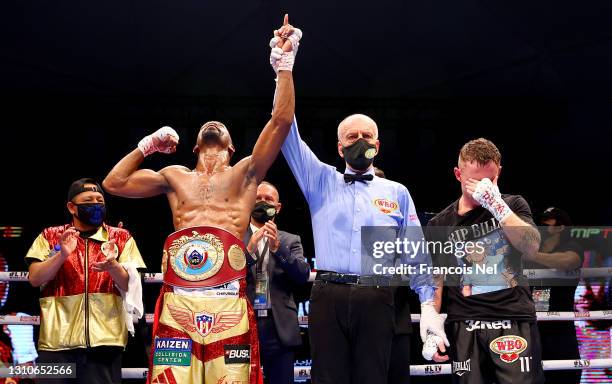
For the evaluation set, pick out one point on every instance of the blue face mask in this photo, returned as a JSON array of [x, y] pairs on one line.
[[91, 213]]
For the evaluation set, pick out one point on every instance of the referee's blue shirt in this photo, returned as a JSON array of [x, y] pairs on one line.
[[338, 211]]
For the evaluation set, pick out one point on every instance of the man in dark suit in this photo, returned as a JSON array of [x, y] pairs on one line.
[[277, 264]]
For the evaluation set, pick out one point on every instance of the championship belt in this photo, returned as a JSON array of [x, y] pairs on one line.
[[199, 257]]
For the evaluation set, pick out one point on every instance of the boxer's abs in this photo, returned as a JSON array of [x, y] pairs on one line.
[[231, 217]]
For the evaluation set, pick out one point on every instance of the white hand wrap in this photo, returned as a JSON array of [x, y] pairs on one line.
[[295, 38], [274, 41], [275, 55], [430, 347], [286, 62], [155, 142], [283, 61], [432, 322], [489, 197]]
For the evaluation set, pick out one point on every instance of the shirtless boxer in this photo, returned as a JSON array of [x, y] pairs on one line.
[[204, 328]]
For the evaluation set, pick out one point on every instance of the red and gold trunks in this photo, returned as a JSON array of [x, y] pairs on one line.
[[205, 328]]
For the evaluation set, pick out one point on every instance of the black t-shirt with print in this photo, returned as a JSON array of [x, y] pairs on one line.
[[479, 225]]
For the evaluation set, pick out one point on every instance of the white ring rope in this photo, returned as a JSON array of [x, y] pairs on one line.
[[303, 320], [583, 273], [303, 373], [529, 273]]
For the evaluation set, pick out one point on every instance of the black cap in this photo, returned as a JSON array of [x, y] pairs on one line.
[[79, 187], [558, 214]]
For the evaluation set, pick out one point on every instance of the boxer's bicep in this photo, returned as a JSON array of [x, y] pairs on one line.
[[143, 183], [125, 179]]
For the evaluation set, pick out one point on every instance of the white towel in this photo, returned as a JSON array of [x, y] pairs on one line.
[[132, 299], [22, 341]]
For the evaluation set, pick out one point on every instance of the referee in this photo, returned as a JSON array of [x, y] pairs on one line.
[[352, 316]]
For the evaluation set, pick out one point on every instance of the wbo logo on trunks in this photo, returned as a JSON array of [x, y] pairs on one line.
[[386, 206], [204, 322], [508, 347]]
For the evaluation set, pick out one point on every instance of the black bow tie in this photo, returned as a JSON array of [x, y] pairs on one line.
[[350, 178]]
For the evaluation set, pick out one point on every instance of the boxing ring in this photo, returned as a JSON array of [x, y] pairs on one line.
[[303, 372]]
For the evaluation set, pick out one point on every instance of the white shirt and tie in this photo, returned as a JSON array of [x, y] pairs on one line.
[[263, 259], [261, 246]]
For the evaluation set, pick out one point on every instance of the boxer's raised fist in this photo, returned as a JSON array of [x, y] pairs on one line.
[[163, 140], [284, 46]]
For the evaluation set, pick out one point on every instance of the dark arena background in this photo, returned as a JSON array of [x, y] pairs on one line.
[[83, 82]]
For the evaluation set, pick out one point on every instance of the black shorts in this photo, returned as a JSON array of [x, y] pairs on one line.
[[503, 352], [97, 365]]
